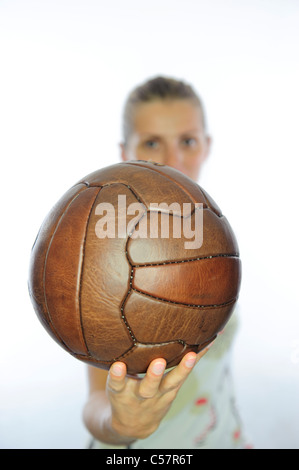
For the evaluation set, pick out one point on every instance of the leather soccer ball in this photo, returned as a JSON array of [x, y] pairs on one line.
[[134, 262]]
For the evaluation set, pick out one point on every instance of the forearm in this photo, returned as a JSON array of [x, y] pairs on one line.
[[98, 420]]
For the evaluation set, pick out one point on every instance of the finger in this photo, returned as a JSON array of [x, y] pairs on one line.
[[116, 380], [149, 385], [175, 378]]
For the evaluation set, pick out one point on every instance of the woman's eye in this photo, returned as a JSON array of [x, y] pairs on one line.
[[189, 142], [151, 144]]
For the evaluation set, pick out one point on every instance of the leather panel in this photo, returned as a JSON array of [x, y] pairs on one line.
[[212, 281], [105, 283], [154, 321], [217, 237], [147, 184], [63, 270], [140, 356], [38, 258]]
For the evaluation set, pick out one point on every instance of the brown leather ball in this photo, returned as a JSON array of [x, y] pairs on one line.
[[110, 283]]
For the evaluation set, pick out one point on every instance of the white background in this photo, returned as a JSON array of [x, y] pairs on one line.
[[65, 70]]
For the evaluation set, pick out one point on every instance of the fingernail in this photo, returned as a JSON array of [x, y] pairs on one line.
[[190, 362], [117, 370], [158, 368]]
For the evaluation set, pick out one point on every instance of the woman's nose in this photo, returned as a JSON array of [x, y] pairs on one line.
[[172, 157]]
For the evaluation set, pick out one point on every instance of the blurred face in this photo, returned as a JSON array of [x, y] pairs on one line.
[[171, 133]]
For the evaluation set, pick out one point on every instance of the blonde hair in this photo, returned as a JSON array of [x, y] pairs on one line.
[[158, 88]]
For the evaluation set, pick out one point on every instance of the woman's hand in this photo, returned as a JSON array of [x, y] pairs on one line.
[[138, 405]]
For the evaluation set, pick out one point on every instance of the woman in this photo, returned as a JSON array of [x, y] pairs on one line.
[[164, 122]]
